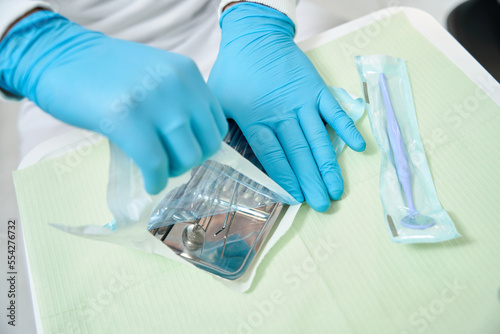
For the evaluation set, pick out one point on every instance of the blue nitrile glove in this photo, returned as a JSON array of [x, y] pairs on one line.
[[153, 104], [271, 89]]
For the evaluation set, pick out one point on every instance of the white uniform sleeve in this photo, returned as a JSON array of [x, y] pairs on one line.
[[287, 7], [10, 11]]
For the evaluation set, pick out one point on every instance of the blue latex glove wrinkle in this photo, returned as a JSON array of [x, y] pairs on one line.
[[152, 103], [271, 89]]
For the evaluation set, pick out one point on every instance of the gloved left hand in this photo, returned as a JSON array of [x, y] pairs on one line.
[[271, 89], [152, 103]]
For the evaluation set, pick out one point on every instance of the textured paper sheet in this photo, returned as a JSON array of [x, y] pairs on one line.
[[336, 272]]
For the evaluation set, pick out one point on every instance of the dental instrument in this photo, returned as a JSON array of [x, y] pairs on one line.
[[413, 219]]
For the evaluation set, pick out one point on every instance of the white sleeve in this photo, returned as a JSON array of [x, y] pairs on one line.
[[287, 7], [10, 11]]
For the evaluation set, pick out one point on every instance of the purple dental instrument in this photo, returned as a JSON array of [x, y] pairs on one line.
[[413, 219]]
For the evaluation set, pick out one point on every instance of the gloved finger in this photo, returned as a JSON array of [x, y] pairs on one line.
[[206, 132], [322, 149], [215, 108], [343, 125], [219, 117], [183, 149], [141, 142], [268, 150], [301, 160]]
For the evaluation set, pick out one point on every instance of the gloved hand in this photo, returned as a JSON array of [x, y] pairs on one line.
[[271, 89], [153, 104]]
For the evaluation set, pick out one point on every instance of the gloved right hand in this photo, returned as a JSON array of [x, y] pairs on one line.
[[152, 103], [284, 103]]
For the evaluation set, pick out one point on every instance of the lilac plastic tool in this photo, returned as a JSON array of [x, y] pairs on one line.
[[413, 219]]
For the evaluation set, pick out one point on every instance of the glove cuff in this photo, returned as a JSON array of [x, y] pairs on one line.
[[287, 7], [247, 18], [17, 56], [30, 46]]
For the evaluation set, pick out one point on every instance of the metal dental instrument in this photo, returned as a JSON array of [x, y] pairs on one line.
[[240, 148], [226, 234], [225, 243], [193, 235], [413, 219]]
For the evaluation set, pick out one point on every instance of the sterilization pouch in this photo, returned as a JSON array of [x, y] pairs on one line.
[[412, 210]]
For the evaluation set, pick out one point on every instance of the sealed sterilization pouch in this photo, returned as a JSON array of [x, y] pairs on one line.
[[412, 210], [222, 209], [217, 216]]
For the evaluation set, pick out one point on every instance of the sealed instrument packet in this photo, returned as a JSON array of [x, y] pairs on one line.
[[412, 211]]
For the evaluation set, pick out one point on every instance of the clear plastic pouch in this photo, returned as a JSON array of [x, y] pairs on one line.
[[220, 218], [412, 210], [217, 216]]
